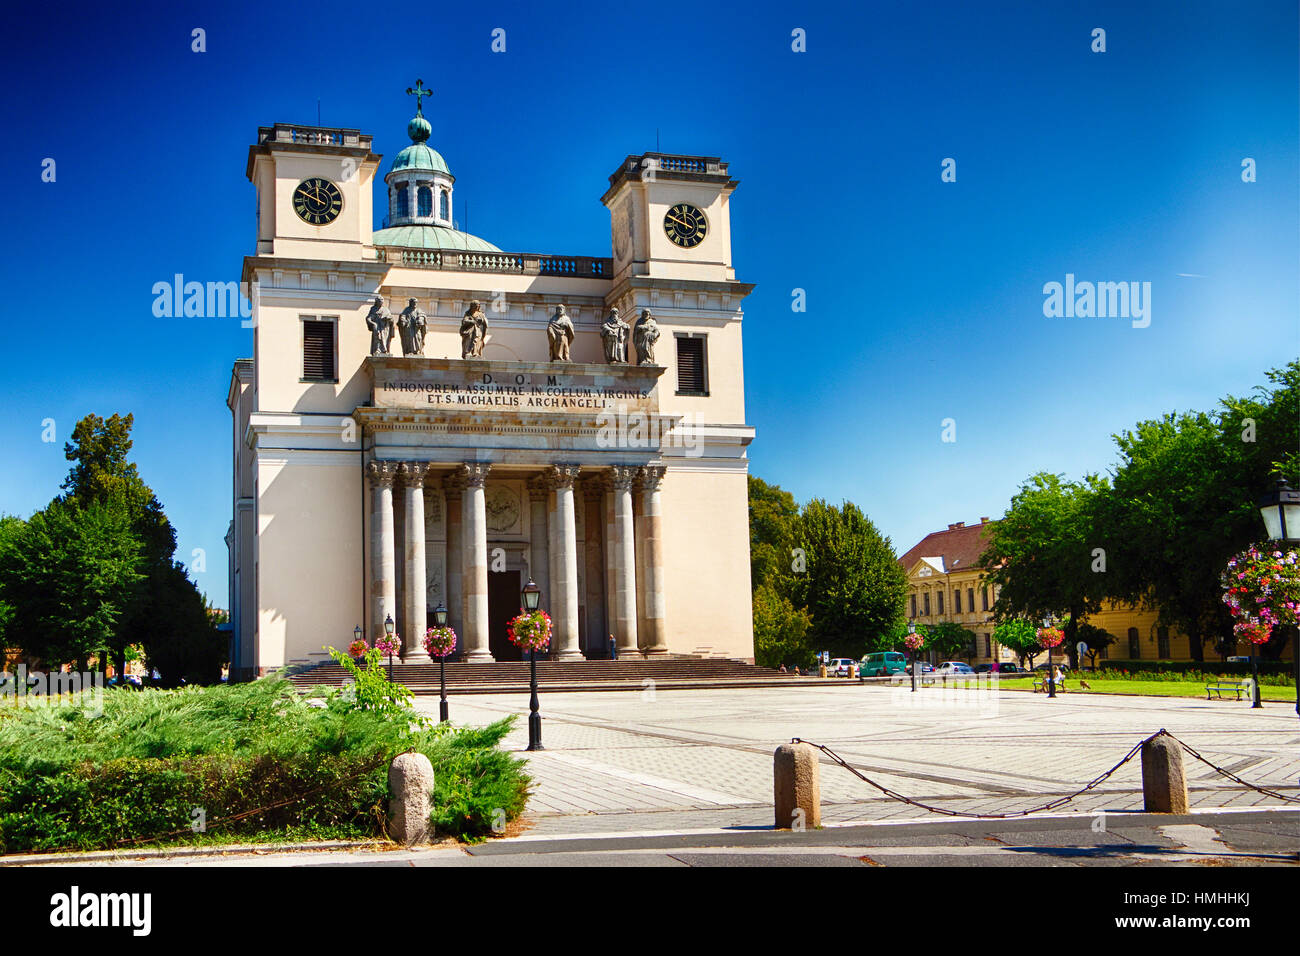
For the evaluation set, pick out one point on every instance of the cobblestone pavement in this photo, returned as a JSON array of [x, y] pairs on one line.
[[683, 759]]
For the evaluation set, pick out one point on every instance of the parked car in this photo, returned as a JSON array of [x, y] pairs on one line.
[[1007, 667], [926, 668], [840, 667], [1238, 660], [1065, 669], [883, 664], [951, 668]]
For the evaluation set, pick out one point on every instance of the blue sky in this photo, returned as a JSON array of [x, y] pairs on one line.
[[924, 298]]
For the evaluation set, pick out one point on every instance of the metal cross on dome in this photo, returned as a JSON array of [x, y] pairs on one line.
[[419, 92]]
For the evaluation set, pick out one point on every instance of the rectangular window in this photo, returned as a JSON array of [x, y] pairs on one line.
[[1162, 642], [939, 595], [1104, 652], [913, 605], [692, 365], [988, 646], [925, 603], [319, 362], [956, 600], [1134, 645], [986, 598], [970, 599]]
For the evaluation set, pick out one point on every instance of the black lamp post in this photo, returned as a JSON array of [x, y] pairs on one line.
[[356, 633], [1047, 676], [531, 598], [1280, 509], [911, 629], [389, 627], [440, 620]]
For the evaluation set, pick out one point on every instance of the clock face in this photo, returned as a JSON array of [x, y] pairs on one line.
[[317, 201], [685, 225]]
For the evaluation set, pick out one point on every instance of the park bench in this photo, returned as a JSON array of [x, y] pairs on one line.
[[1041, 685], [1219, 688]]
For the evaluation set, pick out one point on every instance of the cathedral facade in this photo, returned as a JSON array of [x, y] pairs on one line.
[[429, 420]]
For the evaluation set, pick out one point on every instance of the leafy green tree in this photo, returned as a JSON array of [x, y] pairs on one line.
[[853, 586], [949, 639], [10, 528], [1020, 637], [772, 514], [1096, 638], [67, 576], [780, 630], [1042, 554]]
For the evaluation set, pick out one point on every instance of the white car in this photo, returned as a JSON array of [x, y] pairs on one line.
[[841, 667], [952, 668]]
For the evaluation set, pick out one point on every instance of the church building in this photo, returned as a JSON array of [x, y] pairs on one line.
[[429, 420]]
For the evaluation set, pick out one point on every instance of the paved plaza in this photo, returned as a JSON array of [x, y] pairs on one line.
[[634, 762]]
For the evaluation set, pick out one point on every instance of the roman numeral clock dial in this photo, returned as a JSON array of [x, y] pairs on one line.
[[317, 201], [685, 225]]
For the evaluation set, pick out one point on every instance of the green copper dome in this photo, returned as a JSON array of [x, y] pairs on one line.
[[431, 237], [419, 156], [418, 129]]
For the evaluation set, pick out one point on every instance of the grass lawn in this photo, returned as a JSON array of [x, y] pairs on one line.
[[1149, 688]]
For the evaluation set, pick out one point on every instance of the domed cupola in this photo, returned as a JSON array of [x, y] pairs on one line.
[[419, 194], [419, 182]]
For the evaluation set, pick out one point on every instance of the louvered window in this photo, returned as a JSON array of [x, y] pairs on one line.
[[318, 351], [692, 377]]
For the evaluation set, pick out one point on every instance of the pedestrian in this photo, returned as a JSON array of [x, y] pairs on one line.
[[613, 648]]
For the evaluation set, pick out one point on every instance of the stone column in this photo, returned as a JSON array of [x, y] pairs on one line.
[[624, 564], [454, 487], [417, 569], [655, 639], [383, 562], [475, 557], [539, 559], [564, 565], [611, 558]]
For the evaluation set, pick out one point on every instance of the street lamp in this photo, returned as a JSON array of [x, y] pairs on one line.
[[356, 633], [1051, 684], [440, 621], [389, 627], [911, 629], [531, 598], [1280, 509]]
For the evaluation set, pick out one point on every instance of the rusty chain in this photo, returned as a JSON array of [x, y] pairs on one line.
[[1052, 805]]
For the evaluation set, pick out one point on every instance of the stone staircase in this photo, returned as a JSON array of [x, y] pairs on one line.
[[672, 673]]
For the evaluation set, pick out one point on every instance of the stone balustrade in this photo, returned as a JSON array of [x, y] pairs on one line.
[[513, 263]]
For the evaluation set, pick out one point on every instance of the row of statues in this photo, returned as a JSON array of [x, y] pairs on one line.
[[413, 323]]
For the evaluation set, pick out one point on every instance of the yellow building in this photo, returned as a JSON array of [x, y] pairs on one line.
[[946, 583]]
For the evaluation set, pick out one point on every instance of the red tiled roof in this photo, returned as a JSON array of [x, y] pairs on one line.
[[960, 546]]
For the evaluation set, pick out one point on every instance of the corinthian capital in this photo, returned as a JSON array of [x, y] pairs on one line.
[[382, 473], [622, 477], [651, 476], [414, 472], [560, 476], [475, 473]]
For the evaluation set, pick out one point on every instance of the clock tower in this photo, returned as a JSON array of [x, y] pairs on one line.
[[669, 217]]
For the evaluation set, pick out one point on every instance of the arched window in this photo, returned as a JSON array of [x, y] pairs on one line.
[[1134, 644], [426, 201], [444, 205], [403, 202]]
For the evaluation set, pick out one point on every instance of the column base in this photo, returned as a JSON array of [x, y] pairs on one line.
[[417, 657], [659, 650], [630, 654], [479, 657], [569, 655]]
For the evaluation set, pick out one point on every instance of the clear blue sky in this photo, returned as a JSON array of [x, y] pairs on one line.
[[924, 298]]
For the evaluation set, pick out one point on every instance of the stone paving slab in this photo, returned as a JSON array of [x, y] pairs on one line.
[[682, 759]]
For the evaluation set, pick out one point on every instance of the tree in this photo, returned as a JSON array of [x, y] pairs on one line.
[[949, 639], [772, 514], [780, 630], [1096, 638], [853, 586], [1042, 554], [67, 576], [1020, 637]]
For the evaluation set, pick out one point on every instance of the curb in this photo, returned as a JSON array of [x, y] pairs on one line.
[[92, 856]]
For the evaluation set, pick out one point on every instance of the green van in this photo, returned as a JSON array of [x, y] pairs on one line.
[[884, 664]]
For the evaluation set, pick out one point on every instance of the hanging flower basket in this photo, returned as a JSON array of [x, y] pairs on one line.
[[1049, 637], [530, 631], [914, 642], [357, 649], [389, 646], [1262, 590], [439, 641]]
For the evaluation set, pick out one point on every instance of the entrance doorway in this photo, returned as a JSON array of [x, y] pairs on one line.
[[503, 604]]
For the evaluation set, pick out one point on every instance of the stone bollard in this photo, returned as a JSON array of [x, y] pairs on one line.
[[796, 787], [410, 781], [1164, 787]]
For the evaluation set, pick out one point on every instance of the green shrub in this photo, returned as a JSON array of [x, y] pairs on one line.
[[258, 759]]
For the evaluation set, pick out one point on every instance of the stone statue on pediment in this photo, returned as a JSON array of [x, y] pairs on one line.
[[412, 324], [559, 333], [613, 334], [380, 323], [473, 331], [644, 337]]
